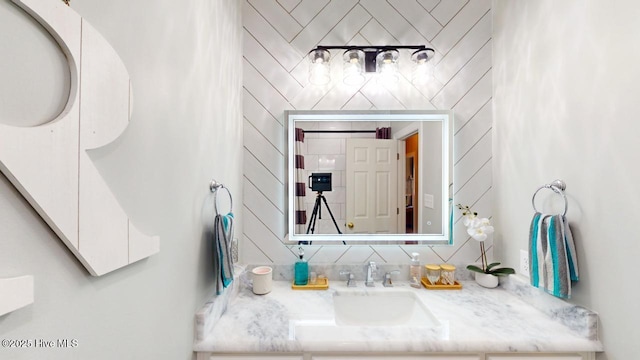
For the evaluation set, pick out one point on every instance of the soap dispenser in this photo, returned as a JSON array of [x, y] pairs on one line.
[[414, 271], [301, 269]]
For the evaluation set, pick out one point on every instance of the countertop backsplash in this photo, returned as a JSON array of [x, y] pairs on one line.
[[332, 271]]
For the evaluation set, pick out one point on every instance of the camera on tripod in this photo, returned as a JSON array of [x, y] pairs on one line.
[[320, 182]]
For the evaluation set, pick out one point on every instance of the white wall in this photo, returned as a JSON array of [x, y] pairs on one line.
[[184, 59], [431, 178], [277, 37], [566, 106]]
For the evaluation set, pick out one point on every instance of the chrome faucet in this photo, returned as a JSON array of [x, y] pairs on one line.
[[351, 282], [371, 270], [386, 282]]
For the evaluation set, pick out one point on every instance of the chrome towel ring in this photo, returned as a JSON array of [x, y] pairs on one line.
[[558, 187], [215, 186]]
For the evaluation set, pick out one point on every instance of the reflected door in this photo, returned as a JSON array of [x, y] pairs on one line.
[[371, 189]]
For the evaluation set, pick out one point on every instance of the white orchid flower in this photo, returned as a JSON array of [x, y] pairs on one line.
[[469, 219], [481, 229], [486, 223]]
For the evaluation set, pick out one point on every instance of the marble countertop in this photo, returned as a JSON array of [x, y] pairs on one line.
[[511, 318]]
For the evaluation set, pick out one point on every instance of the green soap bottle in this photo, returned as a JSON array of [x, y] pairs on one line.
[[301, 269]]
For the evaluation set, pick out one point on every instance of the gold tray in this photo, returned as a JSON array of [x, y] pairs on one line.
[[321, 284], [456, 285]]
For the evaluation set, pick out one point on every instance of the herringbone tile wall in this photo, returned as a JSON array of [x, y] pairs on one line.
[[277, 37]]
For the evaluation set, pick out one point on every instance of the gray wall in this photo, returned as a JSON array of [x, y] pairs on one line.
[[566, 106], [184, 59]]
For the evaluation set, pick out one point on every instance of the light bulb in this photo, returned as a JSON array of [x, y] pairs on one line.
[[353, 67], [422, 69], [387, 66], [319, 69]]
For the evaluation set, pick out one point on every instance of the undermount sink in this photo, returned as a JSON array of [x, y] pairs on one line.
[[365, 315], [383, 308]]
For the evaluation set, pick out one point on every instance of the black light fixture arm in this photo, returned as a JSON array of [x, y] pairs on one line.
[[373, 47]]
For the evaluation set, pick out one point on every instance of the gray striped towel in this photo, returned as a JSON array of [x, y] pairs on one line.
[[553, 263], [221, 236]]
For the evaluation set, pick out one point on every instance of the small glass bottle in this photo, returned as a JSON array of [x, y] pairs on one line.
[[433, 273], [414, 271], [447, 274], [301, 269]]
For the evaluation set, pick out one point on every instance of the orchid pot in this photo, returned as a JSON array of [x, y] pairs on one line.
[[479, 230], [487, 280]]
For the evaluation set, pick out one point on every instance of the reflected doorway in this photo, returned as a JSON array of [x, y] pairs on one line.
[[411, 178]]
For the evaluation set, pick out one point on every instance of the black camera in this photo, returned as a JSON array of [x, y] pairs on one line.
[[320, 182]]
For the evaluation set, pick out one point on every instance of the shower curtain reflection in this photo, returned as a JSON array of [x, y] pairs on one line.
[[301, 182]]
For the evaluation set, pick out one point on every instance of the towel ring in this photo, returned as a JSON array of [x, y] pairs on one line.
[[214, 186], [558, 187]]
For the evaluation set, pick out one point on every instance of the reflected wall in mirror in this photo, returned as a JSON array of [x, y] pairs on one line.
[[369, 177]]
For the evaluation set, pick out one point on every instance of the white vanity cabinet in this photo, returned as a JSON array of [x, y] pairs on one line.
[[249, 357], [400, 357], [476, 356], [542, 356], [585, 356]]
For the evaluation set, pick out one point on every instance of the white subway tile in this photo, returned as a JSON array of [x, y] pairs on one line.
[[375, 34], [472, 161], [321, 24], [289, 4], [429, 4], [270, 186], [357, 102], [347, 28], [418, 17], [263, 91], [270, 39], [276, 15], [460, 25], [464, 80], [393, 22], [257, 203], [380, 97], [472, 132], [446, 10], [262, 120], [464, 50], [307, 9], [264, 151], [270, 68], [266, 242], [475, 99]]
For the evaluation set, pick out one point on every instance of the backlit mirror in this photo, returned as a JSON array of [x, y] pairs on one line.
[[380, 177]]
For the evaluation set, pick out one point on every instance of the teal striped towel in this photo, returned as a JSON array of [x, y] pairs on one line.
[[552, 255], [222, 236]]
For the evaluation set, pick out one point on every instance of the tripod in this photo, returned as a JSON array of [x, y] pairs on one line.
[[317, 213]]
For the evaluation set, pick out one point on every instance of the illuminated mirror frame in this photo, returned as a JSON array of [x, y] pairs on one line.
[[446, 117]]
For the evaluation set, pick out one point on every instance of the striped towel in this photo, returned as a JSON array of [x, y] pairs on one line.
[[222, 235], [552, 255]]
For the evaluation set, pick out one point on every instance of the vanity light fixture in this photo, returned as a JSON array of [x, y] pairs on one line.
[[422, 70], [387, 66], [359, 60], [319, 71]]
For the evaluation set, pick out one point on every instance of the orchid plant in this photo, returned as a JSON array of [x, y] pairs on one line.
[[479, 229]]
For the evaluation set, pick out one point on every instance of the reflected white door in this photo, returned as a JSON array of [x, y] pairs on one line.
[[371, 191]]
